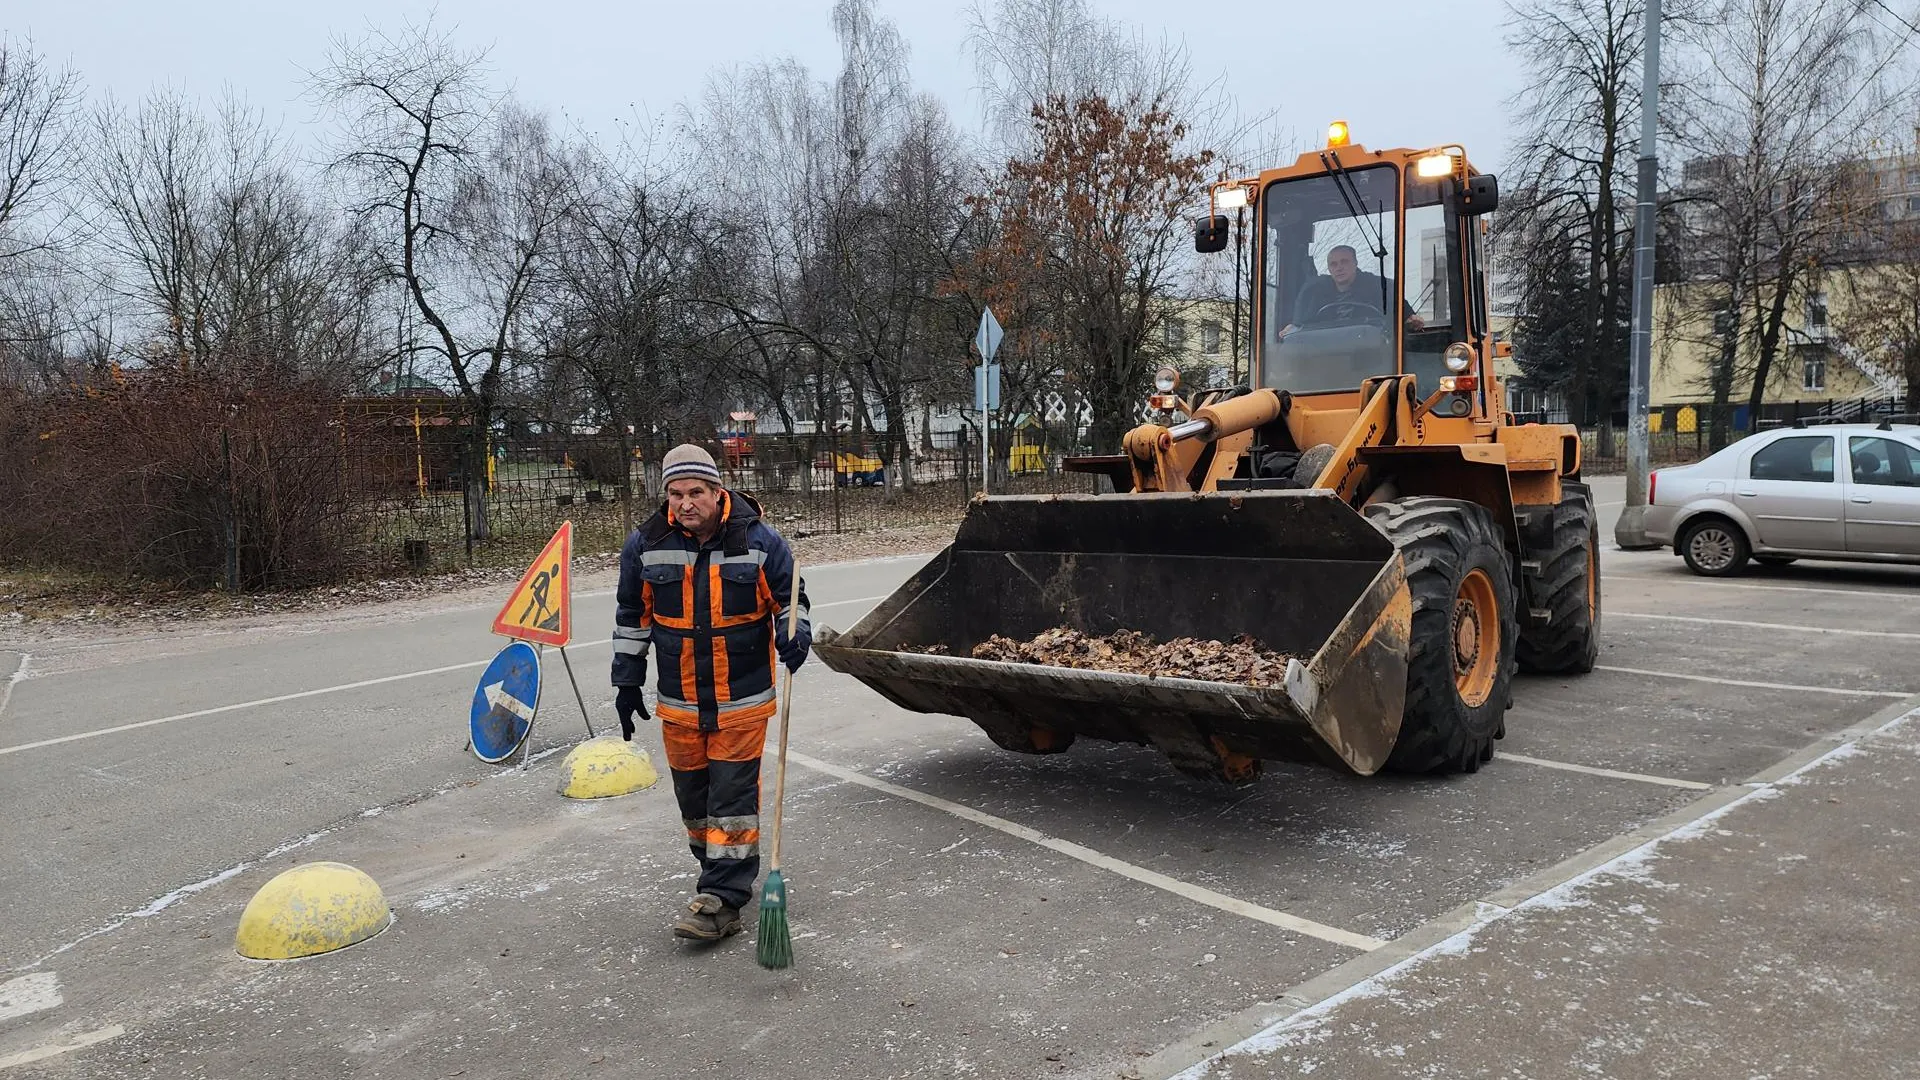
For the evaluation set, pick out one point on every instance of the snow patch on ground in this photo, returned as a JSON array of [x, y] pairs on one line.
[[1311, 1025]]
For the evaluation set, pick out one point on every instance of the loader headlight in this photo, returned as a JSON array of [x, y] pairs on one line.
[[1166, 380], [1230, 198], [1459, 357]]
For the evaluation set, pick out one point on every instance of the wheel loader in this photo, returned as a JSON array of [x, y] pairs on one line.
[[1363, 504]]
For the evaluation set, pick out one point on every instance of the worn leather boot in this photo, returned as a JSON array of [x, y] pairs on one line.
[[707, 919]]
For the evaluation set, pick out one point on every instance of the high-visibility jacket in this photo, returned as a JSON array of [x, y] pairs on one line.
[[709, 611]]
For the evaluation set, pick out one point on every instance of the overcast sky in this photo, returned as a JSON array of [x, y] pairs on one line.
[[1402, 73]]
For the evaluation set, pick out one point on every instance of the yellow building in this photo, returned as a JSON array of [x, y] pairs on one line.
[[1196, 336], [1815, 364]]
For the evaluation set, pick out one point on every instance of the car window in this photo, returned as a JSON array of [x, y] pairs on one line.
[[1884, 462], [1799, 457]]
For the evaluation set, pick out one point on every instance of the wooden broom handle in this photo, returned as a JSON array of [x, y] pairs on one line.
[[786, 712]]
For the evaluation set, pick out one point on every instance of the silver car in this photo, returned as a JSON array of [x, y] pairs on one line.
[[1841, 491]]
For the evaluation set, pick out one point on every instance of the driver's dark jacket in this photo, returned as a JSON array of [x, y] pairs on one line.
[[1321, 291]]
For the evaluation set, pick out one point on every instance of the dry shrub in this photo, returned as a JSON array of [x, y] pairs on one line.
[[599, 461], [161, 475]]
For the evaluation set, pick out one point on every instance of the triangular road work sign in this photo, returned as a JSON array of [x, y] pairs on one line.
[[541, 607]]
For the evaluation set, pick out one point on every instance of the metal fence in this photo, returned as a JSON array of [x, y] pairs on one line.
[[412, 479], [1682, 433]]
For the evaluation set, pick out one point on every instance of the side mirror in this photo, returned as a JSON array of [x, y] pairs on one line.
[[1210, 234], [1482, 195]]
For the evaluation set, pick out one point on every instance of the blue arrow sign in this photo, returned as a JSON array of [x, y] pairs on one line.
[[504, 703], [987, 338]]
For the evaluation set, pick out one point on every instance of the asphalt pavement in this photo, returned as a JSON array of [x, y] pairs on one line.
[[1668, 870]]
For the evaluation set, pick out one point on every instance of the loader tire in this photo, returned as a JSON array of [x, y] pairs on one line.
[[1567, 586], [1460, 650], [1312, 461]]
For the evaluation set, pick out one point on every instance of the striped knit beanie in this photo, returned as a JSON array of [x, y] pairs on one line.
[[688, 462]]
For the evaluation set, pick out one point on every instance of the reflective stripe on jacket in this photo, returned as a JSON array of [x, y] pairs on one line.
[[708, 610]]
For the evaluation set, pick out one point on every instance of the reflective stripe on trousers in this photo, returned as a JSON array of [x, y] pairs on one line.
[[716, 779]]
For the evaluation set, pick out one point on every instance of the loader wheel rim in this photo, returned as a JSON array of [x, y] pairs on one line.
[[1476, 638]]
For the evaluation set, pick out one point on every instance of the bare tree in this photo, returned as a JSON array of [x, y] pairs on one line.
[[617, 328], [839, 216], [1882, 312], [1571, 202], [37, 106], [1780, 96], [892, 231], [1026, 52], [464, 195], [1093, 220], [238, 269], [765, 135]]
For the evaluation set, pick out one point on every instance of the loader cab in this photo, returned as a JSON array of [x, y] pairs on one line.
[[1369, 264]]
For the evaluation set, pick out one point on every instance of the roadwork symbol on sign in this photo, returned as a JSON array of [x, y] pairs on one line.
[[504, 703], [541, 607]]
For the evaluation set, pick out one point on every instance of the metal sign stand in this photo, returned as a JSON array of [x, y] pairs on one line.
[[526, 741], [986, 389], [526, 745], [986, 444], [591, 734]]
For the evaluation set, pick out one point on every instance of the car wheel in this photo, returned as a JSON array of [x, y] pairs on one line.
[[1715, 547]]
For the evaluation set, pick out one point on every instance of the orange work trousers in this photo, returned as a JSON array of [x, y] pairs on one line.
[[716, 779]]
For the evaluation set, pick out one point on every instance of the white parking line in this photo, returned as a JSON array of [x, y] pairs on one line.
[[77, 1042], [1306, 1006], [1755, 685], [29, 994], [1185, 890], [255, 703], [1795, 627], [1890, 593], [18, 674], [281, 698], [1591, 770]]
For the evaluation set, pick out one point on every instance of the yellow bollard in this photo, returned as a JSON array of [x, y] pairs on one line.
[[309, 910], [605, 767]]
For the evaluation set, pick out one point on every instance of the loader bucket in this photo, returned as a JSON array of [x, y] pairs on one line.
[[1299, 571]]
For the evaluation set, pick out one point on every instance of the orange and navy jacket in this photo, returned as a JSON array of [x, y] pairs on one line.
[[709, 611]]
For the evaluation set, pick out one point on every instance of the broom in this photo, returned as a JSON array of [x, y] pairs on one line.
[[775, 946]]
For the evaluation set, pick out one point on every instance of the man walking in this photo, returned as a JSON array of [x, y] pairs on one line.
[[705, 583]]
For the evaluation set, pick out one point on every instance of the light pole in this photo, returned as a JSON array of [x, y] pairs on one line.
[[1631, 530]]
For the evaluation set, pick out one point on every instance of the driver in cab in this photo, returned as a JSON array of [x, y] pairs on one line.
[[1343, 296]]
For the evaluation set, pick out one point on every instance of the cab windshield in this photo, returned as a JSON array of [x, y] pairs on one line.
[[1330, 305]]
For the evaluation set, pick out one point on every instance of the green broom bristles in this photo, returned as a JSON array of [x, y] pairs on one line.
[[775, 947]]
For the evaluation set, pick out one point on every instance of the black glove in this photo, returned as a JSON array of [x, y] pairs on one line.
[[627, 702], [793, 651]]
